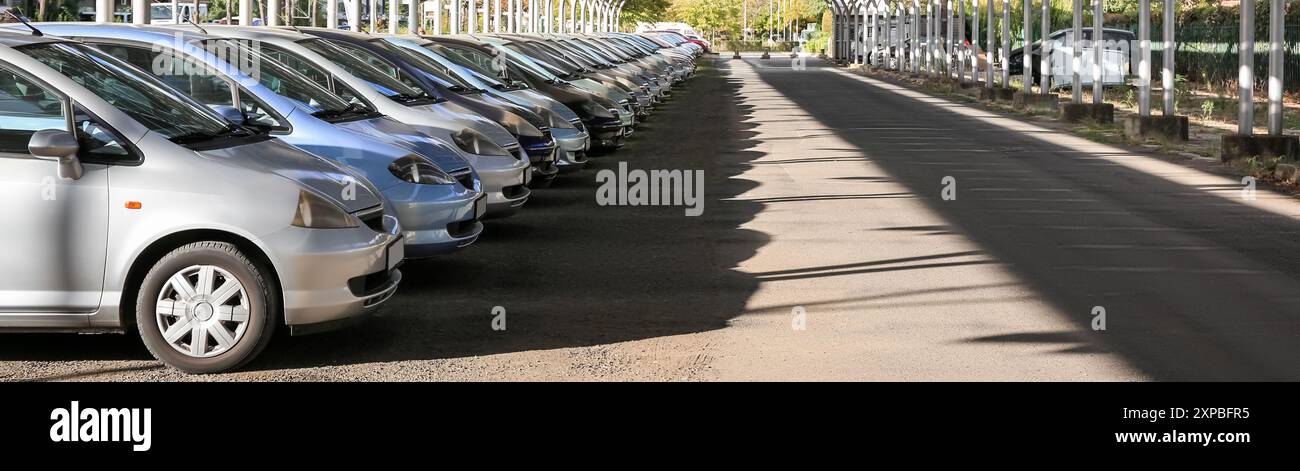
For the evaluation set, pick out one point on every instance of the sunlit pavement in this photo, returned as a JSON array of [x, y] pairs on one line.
[[826, 251]]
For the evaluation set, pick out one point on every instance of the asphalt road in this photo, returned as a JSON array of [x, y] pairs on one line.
[[826, 251]]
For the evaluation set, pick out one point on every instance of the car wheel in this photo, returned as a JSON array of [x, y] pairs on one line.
[[206, 308]]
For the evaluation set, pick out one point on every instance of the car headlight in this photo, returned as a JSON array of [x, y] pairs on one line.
[[473, 142], [416, 169], [315, 212], [553, 119], [594, 109]]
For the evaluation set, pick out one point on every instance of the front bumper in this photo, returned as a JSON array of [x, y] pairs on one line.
[[436, 219], [505, 181], [571, 154], [332, 275], [541, 155], [609, 133]]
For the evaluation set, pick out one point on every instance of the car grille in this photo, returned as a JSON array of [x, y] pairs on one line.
[[371, 284], [513, 191], [460, 229], [372, 218], [466, 179]]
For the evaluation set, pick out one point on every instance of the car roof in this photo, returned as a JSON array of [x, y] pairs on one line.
[[22, 37], [121, 31], [253, 32]]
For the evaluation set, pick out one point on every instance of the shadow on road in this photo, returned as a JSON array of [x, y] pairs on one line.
[[1195, 285]]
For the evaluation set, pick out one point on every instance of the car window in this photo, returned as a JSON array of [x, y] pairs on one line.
[[26, 107], [307, 69], [194, 79], [135, 92], [98, 142], [1115, 36], [377, 62], [314, 73], [379, 79], [258, 114]]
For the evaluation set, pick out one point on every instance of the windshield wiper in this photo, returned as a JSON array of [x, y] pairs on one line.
[[196, 137], [405, 98], [350, 110]]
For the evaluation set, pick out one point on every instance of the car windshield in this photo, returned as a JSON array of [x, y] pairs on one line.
[[544, 51], [358, 67], [527, 63], [538, 62], [431, 68], [290, 84], [141, 96], [473, 62], [579, 49], [610, 51]]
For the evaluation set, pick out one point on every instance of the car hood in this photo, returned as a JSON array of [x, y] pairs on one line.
[[410, 138], [468, 119], [327, 178]]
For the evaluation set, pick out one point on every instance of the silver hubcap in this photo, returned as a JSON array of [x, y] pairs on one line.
[[202, 311]]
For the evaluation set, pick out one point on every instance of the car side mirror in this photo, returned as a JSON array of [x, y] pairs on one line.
[[59, 146], [232, 114]]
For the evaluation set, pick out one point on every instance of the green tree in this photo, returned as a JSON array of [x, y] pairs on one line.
[[709, 17]]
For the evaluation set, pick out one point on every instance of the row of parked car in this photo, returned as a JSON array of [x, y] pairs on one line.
[[206, 184]]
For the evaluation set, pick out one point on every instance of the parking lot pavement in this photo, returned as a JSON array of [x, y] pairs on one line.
[[826, 250]]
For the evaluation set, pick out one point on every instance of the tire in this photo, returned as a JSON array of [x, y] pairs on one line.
[[223, 334]]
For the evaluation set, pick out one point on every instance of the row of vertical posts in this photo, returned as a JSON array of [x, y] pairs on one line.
[[580, 16], [889, 25]]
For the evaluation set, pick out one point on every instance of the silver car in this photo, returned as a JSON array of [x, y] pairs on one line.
[[566, 127], [141, 207], [433, 190], [497, 157]]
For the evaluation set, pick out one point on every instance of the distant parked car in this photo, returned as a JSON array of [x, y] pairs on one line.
[[1116, 65]]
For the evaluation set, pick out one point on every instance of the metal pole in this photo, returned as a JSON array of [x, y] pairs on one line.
[[1045, 49], [272, 13], [373, 7], [437, 16], [917, 58], [1005, 52], [1098, 51], [975, 41], [140, 12], [1077, 53], [1026, 56], [104, 11], [874, 40], [455, 17], [1144, 61], [414, 17], [952, 34], [961, 33], [471, 17], [1276, 38], [354, 14], [992, 46], [927, 51], [1167, 75], [1246, 69]]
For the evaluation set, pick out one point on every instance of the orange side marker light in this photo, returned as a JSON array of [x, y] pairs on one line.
[[133, 205]]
